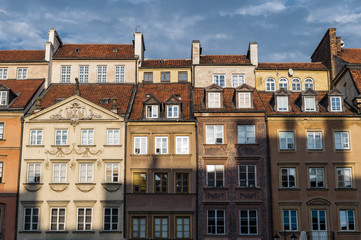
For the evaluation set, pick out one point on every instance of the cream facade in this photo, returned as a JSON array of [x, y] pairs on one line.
[[175, 74], [72, 172]]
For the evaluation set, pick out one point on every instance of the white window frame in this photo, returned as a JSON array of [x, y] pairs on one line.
[[65, 74], [244, 100], [237, 80], [161, 145], [151, 111], [347, 183], [172, 111], [33, 173], [314, 140], [214, 100], [310, 104], [289, 172], [59, 172], [309, 83], [141, 144], [317, 177], [290, 218], [102, 73], [113, 136], [87, 137], [32, 217], [111, 170], [347, 220], [288, 138], [248, 179], [246, 134], [22, 73], [219, 79], [270, 84], [3, 98], [282, 103], [3, 73], [182, 144], [111, 217], [214, 134], [296, 85], [216, 220], [342, 140], [61, 137], [58, 223], [248, 211], [1, 130], [336, 105], [84, 223], [83, 73], [283, 83], [120, 73], [213, 170], [87, 169]]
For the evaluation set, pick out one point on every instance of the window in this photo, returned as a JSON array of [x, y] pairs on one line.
[[214, 134], [165, 77], [215, 175], [102, 74], [83, 74], [309, 84], [84, 222], [119, 73], [161, 182], [335, 104], [65, 74], [59, 172], [61, 137], [139, 227], [290, 222], [152, 111], [270, 84], [248, 222], [31, 219], [87, 137], [215, 222], [244, 100], [219, 79], [282, 103], [139, 182], [344, 178], [112, 172], [246, 134], [342, 140], [3, 73], [3, 98], [237, 80], [161, 145], [283, 83], [113, 136], [33, 173], [296, 85], [214, 100], [317, 179], [183, 228], [287, 141], [347, 220], [22, 73], [314, 140], [247, 176], [111, 219], [182, 145], [57, 219], [182, 76], [148, 77], [182, 180], [288, 177], [1, 171], [160, 227], [310, 104], [172, 111], [140, 145], [1, 130], [86, 172]]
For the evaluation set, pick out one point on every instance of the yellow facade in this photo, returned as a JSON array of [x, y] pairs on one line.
[[157, 73]]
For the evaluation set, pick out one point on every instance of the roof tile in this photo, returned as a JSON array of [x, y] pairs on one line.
[[294, 65], [356, 76], [350, 55], [165, 63], [22, 55], [224, 59]]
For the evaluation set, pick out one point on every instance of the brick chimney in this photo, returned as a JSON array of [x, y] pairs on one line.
[[196, 52], [252, 53], [139, 46]]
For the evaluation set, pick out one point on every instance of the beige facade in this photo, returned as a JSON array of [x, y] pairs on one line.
[[34, 70], [72, 171], [175, 74]]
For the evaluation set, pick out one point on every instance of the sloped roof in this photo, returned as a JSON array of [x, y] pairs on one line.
[[294, 65], [22, 55], [166, 63], [224, 59], [356, 76], [92, 92], [350, 55], [162, 91], [95, 51]]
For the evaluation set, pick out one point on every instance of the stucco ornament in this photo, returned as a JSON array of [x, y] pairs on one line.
[[84, 151], [74, 113]]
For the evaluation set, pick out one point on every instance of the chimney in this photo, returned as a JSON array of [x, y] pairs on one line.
[[196, 52], [52, 45], [114, 105], [37, 104], [253, 53], [139, 46]]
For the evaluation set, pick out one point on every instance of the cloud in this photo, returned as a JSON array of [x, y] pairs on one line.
[[286, 57], [4, 12], [257, 10], [336, 14]]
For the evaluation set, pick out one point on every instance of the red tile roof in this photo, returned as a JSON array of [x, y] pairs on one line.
[[356, 76], [350, 55], [224, 59], [25, 89], [294, 65], [22, 55], [95, 51], [166, 63], [91, 92], [161, 91]]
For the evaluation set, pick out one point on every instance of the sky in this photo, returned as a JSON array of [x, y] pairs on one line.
[[285, 30]]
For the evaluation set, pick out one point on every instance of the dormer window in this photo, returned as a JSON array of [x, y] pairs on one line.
[[335, 104], [173, 111], [283, 83], [152, 111], [244, 100], [214, 100], [3, 98], [310, 104], [282, 103]]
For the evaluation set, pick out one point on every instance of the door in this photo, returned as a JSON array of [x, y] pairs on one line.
[[319, 225]]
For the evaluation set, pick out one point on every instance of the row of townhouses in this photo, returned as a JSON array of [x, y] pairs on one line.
[[97, 142]]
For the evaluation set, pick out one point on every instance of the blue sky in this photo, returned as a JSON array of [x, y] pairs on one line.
[[286, 30]]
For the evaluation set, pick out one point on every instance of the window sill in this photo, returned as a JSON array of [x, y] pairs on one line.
[[214, 144], [315, 150], [345, 189], [139, 155], [86, 145], [216, 188], [165, 155], [287, 150], [59, 145], [288, 189], [248, 188], [81, 232], [34, 146], [317, 189], [112, 231], [112, 145], [56, 232], [182, 155], [3, 139], [29, 231], [247, 144], [348, 233]]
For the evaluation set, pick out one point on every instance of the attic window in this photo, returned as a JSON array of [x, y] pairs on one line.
[[115, 50], [310, 104], [3, 98], [282, 103], [104, 100], [59, 100], [335, 104], [77, 50]]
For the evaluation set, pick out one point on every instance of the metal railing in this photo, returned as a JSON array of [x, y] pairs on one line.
[[320, 235]]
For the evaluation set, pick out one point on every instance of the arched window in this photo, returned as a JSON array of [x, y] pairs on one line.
[[283, 83], [296, 85], [270, 84], [309, 84]]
